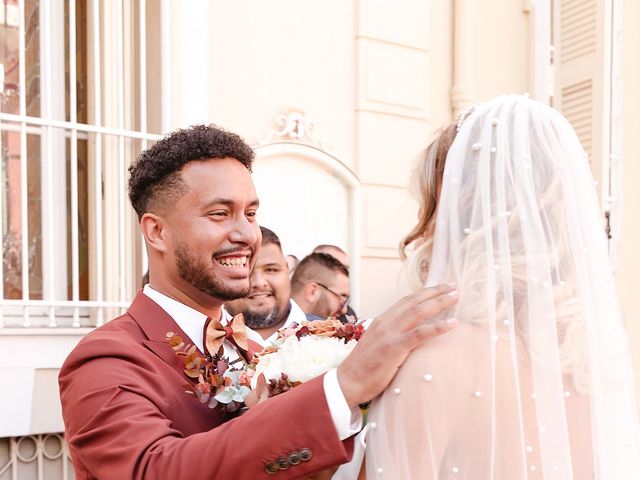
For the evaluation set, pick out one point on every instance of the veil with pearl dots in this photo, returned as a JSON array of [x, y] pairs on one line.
[[536, 380]]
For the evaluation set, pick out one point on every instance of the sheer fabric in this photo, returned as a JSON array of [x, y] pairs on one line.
[[536, 381]]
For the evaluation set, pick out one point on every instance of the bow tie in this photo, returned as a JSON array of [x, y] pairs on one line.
[[235, 332]]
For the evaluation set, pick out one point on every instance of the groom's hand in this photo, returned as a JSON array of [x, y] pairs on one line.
[[383, 348]]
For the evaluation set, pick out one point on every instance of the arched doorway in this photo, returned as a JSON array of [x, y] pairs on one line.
[[308, 197]]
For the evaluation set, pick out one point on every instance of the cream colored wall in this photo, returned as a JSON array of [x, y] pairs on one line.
[[502, 50], [393, 119], [273, 57], [629, 260]]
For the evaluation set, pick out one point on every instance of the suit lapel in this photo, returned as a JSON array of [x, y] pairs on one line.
[[155, 323]]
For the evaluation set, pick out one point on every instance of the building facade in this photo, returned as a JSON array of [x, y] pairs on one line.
[[337, 97]]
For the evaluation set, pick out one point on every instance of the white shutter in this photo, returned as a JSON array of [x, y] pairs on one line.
[[582, 40]]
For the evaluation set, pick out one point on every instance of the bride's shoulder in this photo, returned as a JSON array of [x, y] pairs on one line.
[[467, 334], [462, 350]]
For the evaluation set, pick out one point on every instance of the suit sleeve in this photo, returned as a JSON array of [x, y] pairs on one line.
[[116, 432]]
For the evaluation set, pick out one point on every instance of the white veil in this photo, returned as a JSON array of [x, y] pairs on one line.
[[536, 381]]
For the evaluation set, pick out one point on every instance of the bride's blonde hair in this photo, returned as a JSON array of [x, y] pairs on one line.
[[426, 180]]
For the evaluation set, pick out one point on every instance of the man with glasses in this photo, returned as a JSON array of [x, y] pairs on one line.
[[320, 286], [342, 256]]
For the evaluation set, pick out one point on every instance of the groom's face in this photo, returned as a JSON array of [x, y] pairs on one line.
[[213, 229]]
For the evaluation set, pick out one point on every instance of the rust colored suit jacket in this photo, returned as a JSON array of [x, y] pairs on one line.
[[127, 415]]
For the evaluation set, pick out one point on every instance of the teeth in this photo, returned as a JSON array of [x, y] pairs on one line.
[[233, 262]]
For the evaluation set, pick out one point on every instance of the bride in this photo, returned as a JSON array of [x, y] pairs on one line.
[[536, 381]]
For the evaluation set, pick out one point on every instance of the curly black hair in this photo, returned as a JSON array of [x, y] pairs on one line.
[[154, 178]]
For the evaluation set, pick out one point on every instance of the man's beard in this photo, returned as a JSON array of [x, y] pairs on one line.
[[323, 308], [198, 274], [258, 320]]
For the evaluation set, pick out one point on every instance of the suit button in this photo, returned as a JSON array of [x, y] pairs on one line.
[[305, 454], [294, 458], [271, 468], [283, 463]]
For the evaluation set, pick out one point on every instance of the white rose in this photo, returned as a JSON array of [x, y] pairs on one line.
[[305, 358]]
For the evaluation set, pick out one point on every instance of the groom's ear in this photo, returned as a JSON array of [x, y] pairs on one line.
[[154, 228]]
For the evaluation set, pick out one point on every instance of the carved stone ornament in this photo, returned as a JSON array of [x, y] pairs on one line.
[[292, 126]]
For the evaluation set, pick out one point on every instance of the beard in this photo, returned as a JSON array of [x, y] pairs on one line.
[[265, 319], [198, 273], [323, 308]]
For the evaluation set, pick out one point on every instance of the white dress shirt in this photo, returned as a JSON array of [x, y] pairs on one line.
[[346, 421]]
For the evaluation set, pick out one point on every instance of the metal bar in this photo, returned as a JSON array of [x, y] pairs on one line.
[[142, 67], [98, 157], [2, 188], [12, 127], [65, 448], [73, 117], [2, 193], [165, 61], [142, 56], [64, 303], [31, 130], [121, 163], [81, 127], [14, 456], [39, 440], [24, 216], [48, 159], [39, 331]]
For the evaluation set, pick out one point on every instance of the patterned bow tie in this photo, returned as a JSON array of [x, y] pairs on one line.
[[235, 332]]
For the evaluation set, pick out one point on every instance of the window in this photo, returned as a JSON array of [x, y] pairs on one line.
[[73, 115]]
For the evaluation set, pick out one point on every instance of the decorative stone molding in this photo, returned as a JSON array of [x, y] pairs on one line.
[[293, 126]]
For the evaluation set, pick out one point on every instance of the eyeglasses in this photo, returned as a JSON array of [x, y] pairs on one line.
[[344, 299]]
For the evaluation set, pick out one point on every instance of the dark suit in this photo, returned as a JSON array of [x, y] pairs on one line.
[[127, 414]]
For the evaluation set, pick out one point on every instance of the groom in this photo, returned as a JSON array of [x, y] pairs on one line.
[[122, 388]]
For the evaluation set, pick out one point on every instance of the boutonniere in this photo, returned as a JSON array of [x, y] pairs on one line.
[[220, 384]]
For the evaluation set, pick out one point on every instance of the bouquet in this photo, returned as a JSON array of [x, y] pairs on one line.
[[300, 354]]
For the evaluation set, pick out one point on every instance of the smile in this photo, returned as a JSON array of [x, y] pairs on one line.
[[240, 261]]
